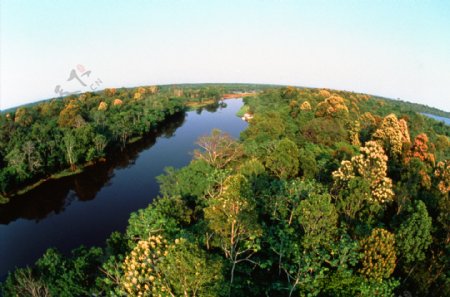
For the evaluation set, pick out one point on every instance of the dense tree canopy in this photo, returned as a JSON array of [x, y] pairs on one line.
[[326, 193]]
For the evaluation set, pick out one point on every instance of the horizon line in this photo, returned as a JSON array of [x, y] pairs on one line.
[[38, 101]]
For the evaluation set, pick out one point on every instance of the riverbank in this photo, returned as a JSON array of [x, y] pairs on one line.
[[239, 95], [4, 199], [84, 209], [242, 111], [55, 176], [192, 105]]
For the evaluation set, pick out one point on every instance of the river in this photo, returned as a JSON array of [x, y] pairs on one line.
[[437, 118], [85, 209]]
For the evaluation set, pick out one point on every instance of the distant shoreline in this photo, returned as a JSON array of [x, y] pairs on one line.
[[437, 118]]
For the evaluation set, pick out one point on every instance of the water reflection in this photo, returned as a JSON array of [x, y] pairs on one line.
[[211, 107], [54, 196], [86, 208]]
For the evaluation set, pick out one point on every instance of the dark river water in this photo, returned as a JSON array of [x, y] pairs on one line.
[[86, 208]]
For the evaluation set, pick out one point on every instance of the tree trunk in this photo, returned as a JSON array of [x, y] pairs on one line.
[[232, 275]]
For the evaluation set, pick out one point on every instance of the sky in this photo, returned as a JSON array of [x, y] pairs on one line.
[[397, 49]]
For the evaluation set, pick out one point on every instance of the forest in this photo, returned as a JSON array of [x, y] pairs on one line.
[[326, 193], [59, 137]]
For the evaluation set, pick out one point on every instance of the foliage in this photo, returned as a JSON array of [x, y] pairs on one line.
[[392, 134], [370, 165], [191, 272], [166, 216], [142, 269], [324, 194], [23, 283], [219, 149], [318, 218], [56, 275], [379, 255], [283, 159], [442, 173], [414, 234], [232, 217], [60, 134], [333, 106]]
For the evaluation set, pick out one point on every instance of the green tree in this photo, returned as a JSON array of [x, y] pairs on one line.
[[191, 272], [32, 156], [351, 199], [72, 276], [232, 217], [283, 159], [265, 127], [307, 163], [413, 236], [380, 258], [16, 161], [166, 215], [70, 146], [251, 168], [23, 283], [318, 218], [188, 181], [100, 143]]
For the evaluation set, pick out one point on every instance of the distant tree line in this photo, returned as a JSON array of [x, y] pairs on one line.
[[64, 134], [326, 193]]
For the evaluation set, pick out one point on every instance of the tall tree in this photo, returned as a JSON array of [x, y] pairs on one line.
[[232, 217], [70, 148], [218, 149], [318, 218], [283, 159], [414, 233], [380, 257]]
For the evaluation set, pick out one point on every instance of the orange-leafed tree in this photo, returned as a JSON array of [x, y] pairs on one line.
[[110, 92], [23, 117], [392, 134], [379, 257], [353, 128], [305, 106], [333, 106], [102, 106], [152, 90], [324, 93], [419, 150], [442, 173], [289, 93], [117, 102], [142, 268], [70, 116]]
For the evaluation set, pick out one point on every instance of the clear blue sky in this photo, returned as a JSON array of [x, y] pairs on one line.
[[397, 49]]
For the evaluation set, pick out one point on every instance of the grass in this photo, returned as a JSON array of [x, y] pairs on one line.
[[243, 110]]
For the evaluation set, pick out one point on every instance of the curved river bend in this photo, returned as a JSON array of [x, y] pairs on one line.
[[86, 208]]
